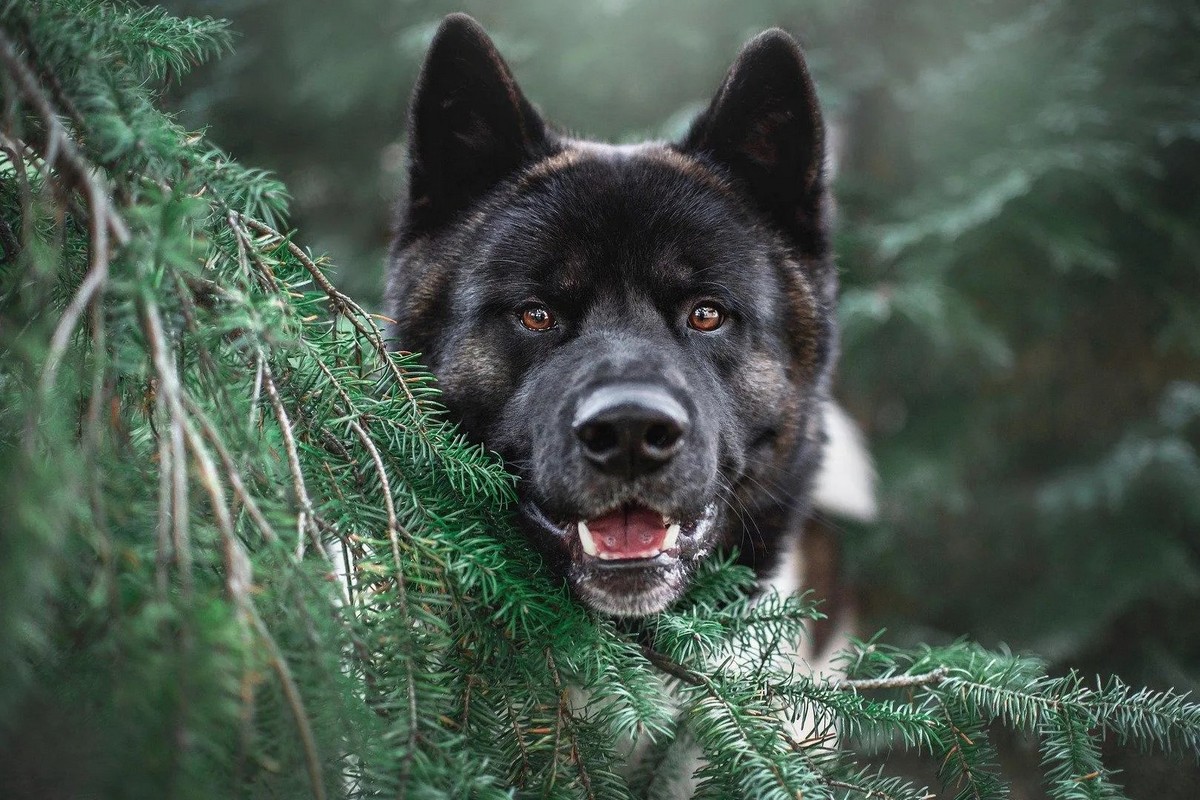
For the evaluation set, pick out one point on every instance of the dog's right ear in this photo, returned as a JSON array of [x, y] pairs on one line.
[[469, 124]]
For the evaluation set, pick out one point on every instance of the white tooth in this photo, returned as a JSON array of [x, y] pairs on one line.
[[610, 556], [672, 536], [585, 538]]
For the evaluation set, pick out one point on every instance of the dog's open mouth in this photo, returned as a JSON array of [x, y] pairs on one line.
[[630, 561], [630, 533]]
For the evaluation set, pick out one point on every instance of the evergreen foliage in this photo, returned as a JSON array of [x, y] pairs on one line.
[[244, 554]]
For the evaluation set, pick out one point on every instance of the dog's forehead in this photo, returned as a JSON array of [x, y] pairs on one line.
[[595, 211], [645, 183]]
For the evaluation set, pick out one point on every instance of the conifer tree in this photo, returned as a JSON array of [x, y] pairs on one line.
[[244, 553]]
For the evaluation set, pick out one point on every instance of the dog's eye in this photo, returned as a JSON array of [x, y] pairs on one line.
[[537, 317], [706, 317]]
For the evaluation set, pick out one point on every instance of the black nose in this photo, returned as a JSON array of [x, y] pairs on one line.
[[630, 429]]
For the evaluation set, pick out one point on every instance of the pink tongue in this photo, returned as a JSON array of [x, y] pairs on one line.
[[630, 532]]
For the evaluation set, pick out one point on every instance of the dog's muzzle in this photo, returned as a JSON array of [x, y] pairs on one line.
[[629, 494]]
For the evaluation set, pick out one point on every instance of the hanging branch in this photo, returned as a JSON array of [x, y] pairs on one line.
[[306, 519], [61, 156]]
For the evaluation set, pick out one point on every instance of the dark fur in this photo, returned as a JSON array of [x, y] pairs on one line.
[[621, 242]]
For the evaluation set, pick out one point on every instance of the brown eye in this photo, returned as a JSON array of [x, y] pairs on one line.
[[706, 317], [537, 317]]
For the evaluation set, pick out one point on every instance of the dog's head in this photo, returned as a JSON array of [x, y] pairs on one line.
[[642, 332]]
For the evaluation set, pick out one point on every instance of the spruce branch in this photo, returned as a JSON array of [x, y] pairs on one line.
[[1072, 761], [295, 703], [236, 481], [967, 756], [733, 724], [306, 519], [342, 304], [563, 721], [393, 537], [62, 159], [168, 391]]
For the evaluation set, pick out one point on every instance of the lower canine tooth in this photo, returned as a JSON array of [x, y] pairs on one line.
[[585, 538], [671, 537]]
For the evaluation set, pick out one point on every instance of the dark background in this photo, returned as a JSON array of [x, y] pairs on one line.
[[1019, 247]]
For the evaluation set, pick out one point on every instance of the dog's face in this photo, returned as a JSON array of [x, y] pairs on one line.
[[642, 332]]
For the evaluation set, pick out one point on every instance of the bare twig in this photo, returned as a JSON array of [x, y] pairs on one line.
[[8, 240], [931, 678], [393, 529], [165, 470], [60, 152], [13, 151], [247, 253], [257, 392], [47, 77], [305, 521], [231, 470], [169, 390], [672, 668]]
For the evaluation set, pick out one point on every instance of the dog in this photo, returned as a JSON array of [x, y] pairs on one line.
[[644, 333]]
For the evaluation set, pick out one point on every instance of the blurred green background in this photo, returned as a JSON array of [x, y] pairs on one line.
[[1019, 243]]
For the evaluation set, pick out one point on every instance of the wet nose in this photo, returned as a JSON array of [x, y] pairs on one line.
[[630, 429]]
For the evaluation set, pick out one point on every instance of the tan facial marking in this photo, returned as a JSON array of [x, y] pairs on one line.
[[474, 367], [802, 326], [689, 167], [764, 378], [584, 151], [548, 166]]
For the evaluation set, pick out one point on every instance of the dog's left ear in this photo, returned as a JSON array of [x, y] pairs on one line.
[[764, 126], [469, 124]]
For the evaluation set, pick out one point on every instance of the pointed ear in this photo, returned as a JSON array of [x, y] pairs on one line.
[[764, 126], [469, 124]]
